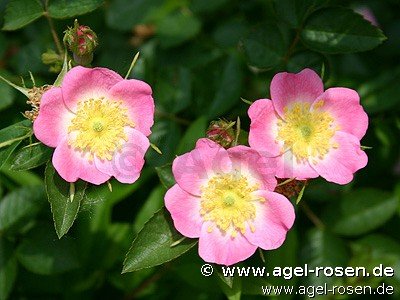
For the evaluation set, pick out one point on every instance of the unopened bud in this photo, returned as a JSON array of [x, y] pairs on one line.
[[81, 41], [291, 188], [221, 132]]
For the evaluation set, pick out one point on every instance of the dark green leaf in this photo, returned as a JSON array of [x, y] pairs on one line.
[[42, 253], [8, 268], [152, 246], [265, 46], [381, 92], [177, 28], [64, 202], [61, 9], [125, 14], [195, 131], [161, 137], [7, 93], [340, 30], [152, 204], [363, 210], [31, 157], [11, 137], [322, 248], [228, 93], [294, 12], [233, 291], [205, 6], [165, 174], [21, 12], [20, 204]]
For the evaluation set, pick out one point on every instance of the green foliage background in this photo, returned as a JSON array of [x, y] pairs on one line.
[[203, 57]]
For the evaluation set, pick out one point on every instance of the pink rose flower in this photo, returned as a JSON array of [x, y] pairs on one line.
[[225, 198], [310, 132], [98, 122]]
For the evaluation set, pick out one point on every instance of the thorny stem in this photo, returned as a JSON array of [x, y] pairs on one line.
[[53, 30], [312, 216]]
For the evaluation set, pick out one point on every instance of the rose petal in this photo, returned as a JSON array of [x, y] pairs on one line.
[[194, 168], [126, 164], [73, 165], [185, 211], [340, 164], [274, 218], [344, 105], [85, 83], [51, 125], [251, 164], [263, 128], [137, 96], [287, 88], [222, 248]]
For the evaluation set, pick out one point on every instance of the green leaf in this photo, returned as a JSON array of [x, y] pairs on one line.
[[21, 12], [294, 12], [19, 205], [230, 87], [11, 137], [265, 46], [125, 14], [64, 205], [381, 92], [7, 94], [195, 131], [152, 246], [8, 268], [232, 290], [165, 174], [340, 30], [322, 248], [177, 28], [42, 253], [60, 9], [152, 204], [30, 157], [363, 210]]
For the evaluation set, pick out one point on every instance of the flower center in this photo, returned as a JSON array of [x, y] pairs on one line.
[[99, 127], [227, 200], [307, 133]]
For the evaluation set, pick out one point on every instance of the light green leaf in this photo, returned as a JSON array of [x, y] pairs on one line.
[[165, 174], [195, 131], [64, 207], [21, 12], [19, 205], [30, 157], [8, 268], [152, 204], [363, 210], [152, 246], [61, 9], [340, 30], [230, 87], [42, 253]]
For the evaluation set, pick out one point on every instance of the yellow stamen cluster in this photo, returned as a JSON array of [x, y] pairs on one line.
[[100, 127], [308, 133], [228, 202]]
